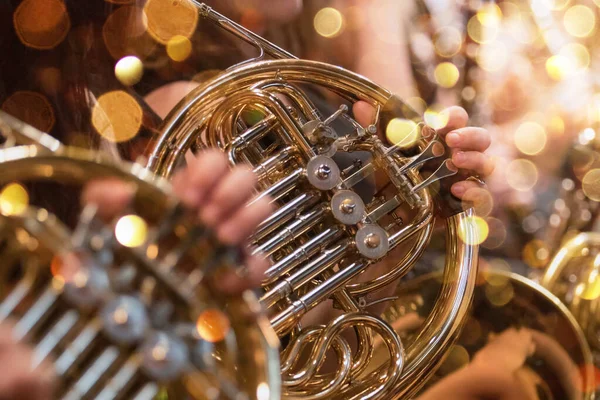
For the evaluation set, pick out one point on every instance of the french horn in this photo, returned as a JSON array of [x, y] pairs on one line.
[[327, 235], [122, 306], [560, 367]]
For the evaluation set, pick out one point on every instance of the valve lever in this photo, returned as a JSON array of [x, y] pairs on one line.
[[445, 170], [433, 150]]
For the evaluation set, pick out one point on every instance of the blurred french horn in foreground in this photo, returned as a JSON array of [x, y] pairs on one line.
[[122, 307], [327, 235]]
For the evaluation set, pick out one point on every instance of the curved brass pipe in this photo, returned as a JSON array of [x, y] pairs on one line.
[[211, 115]]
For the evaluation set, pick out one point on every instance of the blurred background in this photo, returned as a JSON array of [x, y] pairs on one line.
[[86, 71]]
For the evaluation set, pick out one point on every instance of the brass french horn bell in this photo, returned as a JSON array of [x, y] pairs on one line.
[[326, 236], [561, 365], [122, 305]]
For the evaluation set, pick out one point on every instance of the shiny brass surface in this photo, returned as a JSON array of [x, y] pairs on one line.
[[326, 241], [122, 305], [561, 362], [573, 276]]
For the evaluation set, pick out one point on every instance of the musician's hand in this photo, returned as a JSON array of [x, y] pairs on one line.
[[468, 146], [221, 196], [18, 379]]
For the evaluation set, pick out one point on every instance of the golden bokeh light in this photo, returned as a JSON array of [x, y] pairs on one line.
[[591, 184], [559, 67], [49, 79], [169, 18], [480, 199], [129, 70], [436, 118], [557, 5], [489, 14], [213, 326], [179, 48], [499, 296], [14, 199], [117, 116], [417, 104], [475, 225], [484, 26], [577, 55], [579, 21], [556, 125], [497, 280], [402, 132], [492, 57], [446, 74], [32, 108], [521, 175], [41, 24], [131, 230], [263, 391], [536, 254], [448, 41], [65, 267], [530, 138], [497, 233], [125, 33], [328, 22]]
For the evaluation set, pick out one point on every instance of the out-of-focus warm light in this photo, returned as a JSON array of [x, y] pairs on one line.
[[484, 26], [577, 54], [536, 254], [474, 224], [116, 116], [41, 24], [499, 296], [49, 79], [591, 184], [263, 392], [417, 104], [530, 138], [329, 22], [402, 132], [125, 33], [131, 230], [436, 118], [468, 93], [179, 48], [556, 125], [493, 56], [448, 42], [489, 14], [129, 70], [579, 21], [169, 18], [213, 326], [498, 280], [558, 67], [521, 175], [497, 234], [14, 199], [480, 199], [253, 20], [446, 74], [32, 108]]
